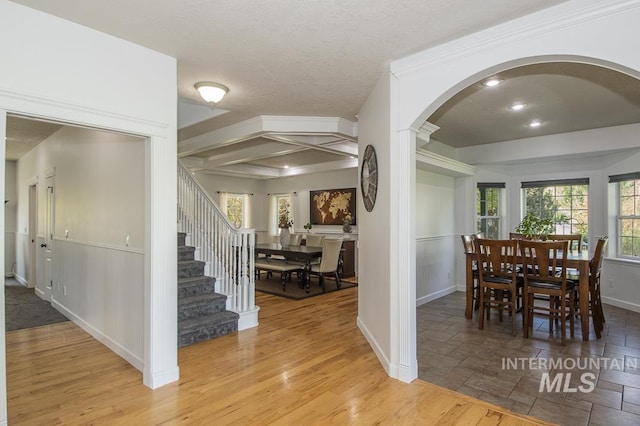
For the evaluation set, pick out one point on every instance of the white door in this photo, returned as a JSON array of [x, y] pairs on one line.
[[33, 234], [48, 238]]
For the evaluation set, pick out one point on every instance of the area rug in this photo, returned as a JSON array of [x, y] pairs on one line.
[[273, 286], [23, 309]]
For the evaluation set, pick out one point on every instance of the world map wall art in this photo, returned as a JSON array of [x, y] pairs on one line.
[[332, 206]]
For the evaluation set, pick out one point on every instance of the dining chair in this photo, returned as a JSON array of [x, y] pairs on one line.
[[575, 240], [595, 270], [295, 240], [545, 273], [469, 250], [329, 262], [314, 240], [499, 281]]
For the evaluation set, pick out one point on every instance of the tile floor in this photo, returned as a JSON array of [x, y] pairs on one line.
[[454, 353]]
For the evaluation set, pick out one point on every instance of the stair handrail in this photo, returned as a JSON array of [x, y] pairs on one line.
[[228, 252]]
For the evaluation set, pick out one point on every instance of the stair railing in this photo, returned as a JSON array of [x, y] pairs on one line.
[[228, 252]]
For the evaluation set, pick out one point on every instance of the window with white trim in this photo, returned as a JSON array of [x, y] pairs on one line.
[[564, 201], [488, 209], [628, 198]]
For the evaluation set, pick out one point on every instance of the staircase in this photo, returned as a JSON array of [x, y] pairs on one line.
[[202, 313]]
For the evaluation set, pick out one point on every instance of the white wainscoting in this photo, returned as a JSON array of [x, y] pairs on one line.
[[9, 253], [435, 267], [101, 288]]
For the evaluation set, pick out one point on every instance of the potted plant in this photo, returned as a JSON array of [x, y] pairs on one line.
[[535, 227], [308, 226], [346, 224]]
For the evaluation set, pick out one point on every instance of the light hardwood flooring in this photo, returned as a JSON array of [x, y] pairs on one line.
[[307, 363]]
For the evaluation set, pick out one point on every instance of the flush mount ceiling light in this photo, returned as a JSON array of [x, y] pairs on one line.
[[492, 82], [517, 106], [211, 92], [535, 123]]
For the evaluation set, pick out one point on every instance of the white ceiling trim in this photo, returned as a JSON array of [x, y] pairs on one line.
[[430, 161], [266, 124]]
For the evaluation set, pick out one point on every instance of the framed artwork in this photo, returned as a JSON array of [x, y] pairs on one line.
[[332, 206]]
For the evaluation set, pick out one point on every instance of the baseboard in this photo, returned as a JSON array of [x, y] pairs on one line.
[[634, 307], [22, 280], [386, 364], [101, 337], [436, 295], [40, 294], [161, 378], [248, 319]]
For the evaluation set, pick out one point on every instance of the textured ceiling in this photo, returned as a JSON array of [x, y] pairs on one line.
[[322, 58]]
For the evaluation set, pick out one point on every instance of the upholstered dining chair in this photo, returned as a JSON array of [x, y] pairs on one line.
[[499, 281], [329, 263], [545, 272], [295, 240], [314, 240]]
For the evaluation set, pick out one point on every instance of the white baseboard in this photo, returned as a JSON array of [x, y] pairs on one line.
[[634, 307], [436, 295], [101, 337], [386, 364], [160, 378], [248, 319], [22, 280]]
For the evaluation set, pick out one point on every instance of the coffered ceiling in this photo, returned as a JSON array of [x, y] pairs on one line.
[[286, 60]]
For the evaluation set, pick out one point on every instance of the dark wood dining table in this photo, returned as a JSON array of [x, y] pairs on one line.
[[575, 259], [305, 254]]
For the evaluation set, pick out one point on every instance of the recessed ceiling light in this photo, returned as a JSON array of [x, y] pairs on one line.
[[517, 106], [286, 166], [535, 123], [492, 82]]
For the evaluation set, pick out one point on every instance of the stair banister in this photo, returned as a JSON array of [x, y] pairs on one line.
[[228, 252]]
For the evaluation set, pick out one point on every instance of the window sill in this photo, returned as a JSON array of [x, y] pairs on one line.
[[622, 261]]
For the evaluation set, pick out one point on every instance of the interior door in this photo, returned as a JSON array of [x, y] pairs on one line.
[[33, 234], [48, 238]]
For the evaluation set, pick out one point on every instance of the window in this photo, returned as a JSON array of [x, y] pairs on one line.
[[236, 207], [565, 201], [281, 210], [488, 208], [628, 214]]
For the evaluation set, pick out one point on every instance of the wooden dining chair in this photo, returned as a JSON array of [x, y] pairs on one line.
[[545, 273], [470, 250], [499, 281], [575, 240], [595, 270]]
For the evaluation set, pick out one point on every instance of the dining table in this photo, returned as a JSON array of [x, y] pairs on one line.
[[578, 260], [303, 254]]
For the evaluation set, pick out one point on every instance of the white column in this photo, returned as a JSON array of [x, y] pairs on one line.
[[161, 275], [403, 255]]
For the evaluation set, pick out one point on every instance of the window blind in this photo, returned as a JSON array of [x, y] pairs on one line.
[[624, 176], [491, 185], [555, 182]]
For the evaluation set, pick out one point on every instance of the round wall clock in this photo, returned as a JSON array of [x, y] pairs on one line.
[[369, 177]]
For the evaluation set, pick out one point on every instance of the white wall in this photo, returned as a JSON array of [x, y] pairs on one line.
[[10, 217], [436, 241], [374, 316], [99, 202], [100, 81]]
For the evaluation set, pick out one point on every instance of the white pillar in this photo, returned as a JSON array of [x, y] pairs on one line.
[[403, 254]]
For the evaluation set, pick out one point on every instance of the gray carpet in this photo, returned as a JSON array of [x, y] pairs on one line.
[[25, 310]]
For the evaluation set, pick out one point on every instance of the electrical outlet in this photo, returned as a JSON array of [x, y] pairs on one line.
[[610, 283], [64, 290]]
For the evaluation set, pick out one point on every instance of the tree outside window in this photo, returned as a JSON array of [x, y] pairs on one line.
[[488, 210], [629, 218], [567, 205], [235, 209]]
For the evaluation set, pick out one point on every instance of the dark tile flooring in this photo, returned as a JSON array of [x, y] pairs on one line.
[[454, 353]]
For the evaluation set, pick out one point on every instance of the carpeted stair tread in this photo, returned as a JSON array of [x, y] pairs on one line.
[[202, 299], [216, 318]]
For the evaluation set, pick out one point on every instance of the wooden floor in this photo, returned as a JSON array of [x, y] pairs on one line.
[[307, 363]]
